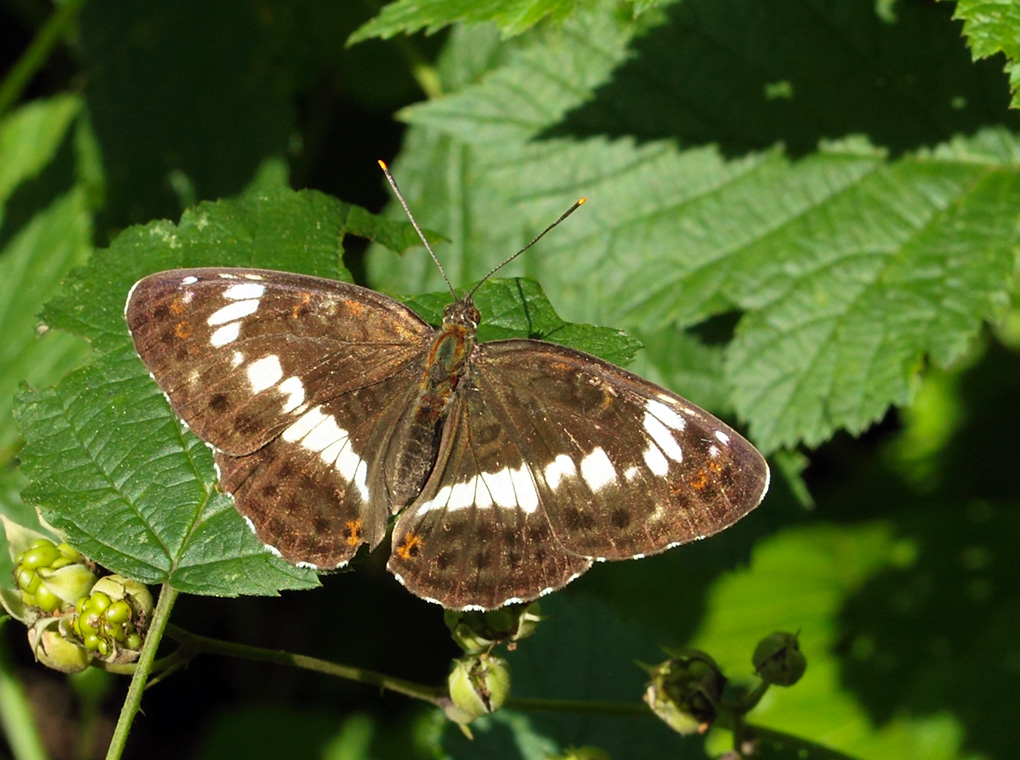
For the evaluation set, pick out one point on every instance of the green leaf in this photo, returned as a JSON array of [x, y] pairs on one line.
[[118, 476], [29, 138], [518, 308], [844, 271], [31, 267], [993, 26], [409, 16]]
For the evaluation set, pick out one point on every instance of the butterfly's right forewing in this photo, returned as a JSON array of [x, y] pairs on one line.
[[297, 383]]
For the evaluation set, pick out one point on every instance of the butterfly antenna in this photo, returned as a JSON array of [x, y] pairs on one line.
[[407, 210], [577, 204]]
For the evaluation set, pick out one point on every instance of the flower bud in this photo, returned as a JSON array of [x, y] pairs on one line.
[[112, 620], [55, 647], [49, 577], [684, 691], [778, 659], [479, 685], [477, 632]]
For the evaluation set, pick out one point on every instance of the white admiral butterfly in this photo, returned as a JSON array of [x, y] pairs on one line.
[[513, 465]]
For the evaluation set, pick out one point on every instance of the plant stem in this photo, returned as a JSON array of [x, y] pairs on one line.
[[133, 700], [434, 695], [38, 53]]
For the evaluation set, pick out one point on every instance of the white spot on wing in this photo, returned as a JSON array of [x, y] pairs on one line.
[[524, 487], [295, 392], [665, 415], [722, 437], [501, 486], [655, 460], [189, 280], [561, 467], [233, 311], [264, 373], [597, 470], [244, 291], [236, 359], [662, 437], [225, 335], [319, 432]]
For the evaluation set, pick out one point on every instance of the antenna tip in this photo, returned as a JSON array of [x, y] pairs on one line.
[[582, 201], [382, 165]]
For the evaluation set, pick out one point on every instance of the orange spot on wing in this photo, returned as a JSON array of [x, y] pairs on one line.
[[715, 466], [410, 547], [183, 330], [353, 532], [700, 480], [354, 308], [306, 298], [176, 307]]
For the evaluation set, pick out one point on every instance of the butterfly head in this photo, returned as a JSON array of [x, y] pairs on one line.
[[462, 313]]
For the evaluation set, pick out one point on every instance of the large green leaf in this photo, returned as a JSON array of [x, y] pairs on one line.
[[850, 266]]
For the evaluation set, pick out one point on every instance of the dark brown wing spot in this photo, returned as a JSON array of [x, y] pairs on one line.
[[218, 403], [483, 559], [620, 518]]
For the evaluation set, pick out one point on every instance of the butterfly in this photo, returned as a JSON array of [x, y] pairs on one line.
[[511, 466]]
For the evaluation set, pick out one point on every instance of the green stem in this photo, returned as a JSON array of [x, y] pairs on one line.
[[133, 700], [38, 53], [204, 644]]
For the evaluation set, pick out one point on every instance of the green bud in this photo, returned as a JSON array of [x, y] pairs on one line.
[[477, 632], [45, 599], [778, 659], [119, 612], [479, 685], [98, 601], [684, 691], [55, 648], [113, 619], [42, 553]]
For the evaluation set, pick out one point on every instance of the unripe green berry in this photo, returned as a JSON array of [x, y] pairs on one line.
[[118, 612], [778, 659], [479, 685], [99, 601], [45, 599]]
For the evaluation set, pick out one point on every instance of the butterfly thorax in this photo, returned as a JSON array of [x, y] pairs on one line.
[[445, 364], [446, 361]]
